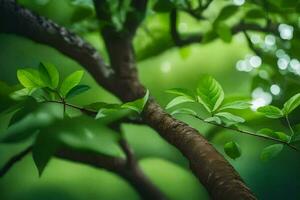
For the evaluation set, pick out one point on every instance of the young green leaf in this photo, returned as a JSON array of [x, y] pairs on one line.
[[274, 134], [214, 119], [186, 111], [182, 92], [210, 93], [232, 149], [271, 152], [49, 75], [178, 100], [224, 31], [137, 105], [82, 133], [29, 106], [227, 12], [78, 89], [43, 149], [291, 104], [235, 105], [230, 118], [270, 111], [70, 82], [29, 78]]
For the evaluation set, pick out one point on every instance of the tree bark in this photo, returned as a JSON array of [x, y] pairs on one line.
[[211, 168]]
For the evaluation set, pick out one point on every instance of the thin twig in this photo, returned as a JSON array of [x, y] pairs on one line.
[[248, 133], [251, 46], [12, 161], [290, 127]]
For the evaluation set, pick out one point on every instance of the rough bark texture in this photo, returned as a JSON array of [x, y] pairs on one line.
[[215, 173]]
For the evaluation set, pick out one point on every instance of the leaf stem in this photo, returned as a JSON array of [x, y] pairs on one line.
[[248, 133], [290, 127]]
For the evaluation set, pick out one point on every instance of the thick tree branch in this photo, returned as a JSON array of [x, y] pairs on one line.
[[18, 20]]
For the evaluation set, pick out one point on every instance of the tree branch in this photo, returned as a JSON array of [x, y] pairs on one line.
[[13, 160]]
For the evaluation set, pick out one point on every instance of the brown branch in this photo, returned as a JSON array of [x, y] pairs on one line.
[[12, 161]]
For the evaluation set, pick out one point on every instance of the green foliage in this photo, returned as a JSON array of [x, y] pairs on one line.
[[274, 134], [49, 75], [184, 111], [78, 89], [178, 100], [235, 105], [210, 93], [271, 111], [271, 152], [137, 105], [42, 115], [70, 82], [229, 118], [291, 104], [29, 78], [224, 32], [233, 150], [43, 149]]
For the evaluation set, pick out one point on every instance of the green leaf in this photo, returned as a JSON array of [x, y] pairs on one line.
[[271, 152], [274, 134], [137, 105], [78, 89], [29, 78], [70, 82], [224, 31], [213, 119], [182, 92], [49, 75], [270, 111], [31, 124], [28, 106], [184, 111], [226, 12], [82, 133], [83, 9], [210, 93], [230, 118], [232, 149], [235, 105], [291, 104], [178, 100], [43, 149]]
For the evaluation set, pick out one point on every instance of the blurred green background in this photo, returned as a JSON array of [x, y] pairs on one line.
[[166, 167]]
